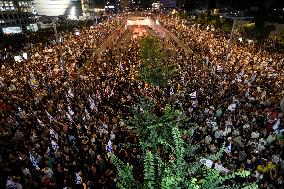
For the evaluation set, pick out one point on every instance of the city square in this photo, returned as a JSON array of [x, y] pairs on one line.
[[154, 95]]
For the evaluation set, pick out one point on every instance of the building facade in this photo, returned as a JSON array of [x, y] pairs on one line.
[[17, 16], [56, 8], [168, 3]]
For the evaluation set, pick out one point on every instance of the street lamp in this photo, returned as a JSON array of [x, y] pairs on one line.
[[61, 61], [231, 36]]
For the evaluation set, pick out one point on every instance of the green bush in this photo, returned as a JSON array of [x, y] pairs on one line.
[[166, 154], [154, 69]]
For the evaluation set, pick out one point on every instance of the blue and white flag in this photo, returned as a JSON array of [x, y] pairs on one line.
[[49, 116], [171, 91], [54, 145], [92, 104], [276, 128], [70, 93], [53, 134], [87, 117], [232, 107], [40, 122], [109, 147], [253, 77], [228, 149], [69, 117], [193, 95], [34, 161], [70, 111]]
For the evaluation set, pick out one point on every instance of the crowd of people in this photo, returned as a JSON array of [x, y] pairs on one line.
[[56, 132], [237, 101]]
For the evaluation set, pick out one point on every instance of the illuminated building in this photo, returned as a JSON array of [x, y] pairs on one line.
[[168, 3], [58, 7], [17, 16]]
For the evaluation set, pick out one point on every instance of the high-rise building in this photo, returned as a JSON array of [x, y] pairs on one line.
[[168, 3], [17, 16], [71, 8]]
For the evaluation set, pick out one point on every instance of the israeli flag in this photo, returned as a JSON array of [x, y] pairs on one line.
[[207, 162], [276, 128], [92, 104], [87, 115], [171, 91], [228, 149], [78, 179], [34, 161], [232, 107], [70, 111], [253, 77], [213, 124], [54, 145], [53, 134], [40, 122], [193, 95], [69, 117], [109, 147], [70, 93]]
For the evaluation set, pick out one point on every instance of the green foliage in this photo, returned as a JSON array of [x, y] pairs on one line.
[[248, 30], [218, 155], [165, 154], [149, 171], [256, 31], [125, 177], [281, 37], [156, 130], [223, 24], [154, 69]]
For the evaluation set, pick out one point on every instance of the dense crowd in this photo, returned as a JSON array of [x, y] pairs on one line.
[[56, 132], [237, 101]]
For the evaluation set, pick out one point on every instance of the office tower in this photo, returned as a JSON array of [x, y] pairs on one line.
[[17, 16]]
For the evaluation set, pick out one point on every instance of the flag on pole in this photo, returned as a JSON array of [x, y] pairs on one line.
[[53, 134], [70, 93], [49, 116], [276, 126], [193, 95], [92, 104], [70, 111], [54, 145], [87, 115], [69, 117], [40, 122], [109, 147], [171, 91], [34, 161], [228, 149], [232, 107]]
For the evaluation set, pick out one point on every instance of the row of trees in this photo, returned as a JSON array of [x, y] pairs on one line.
[[170, 157], [254, 29]]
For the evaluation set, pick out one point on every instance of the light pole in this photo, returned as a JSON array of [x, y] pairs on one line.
[[230, 42], [231, 37], [61, 61]]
